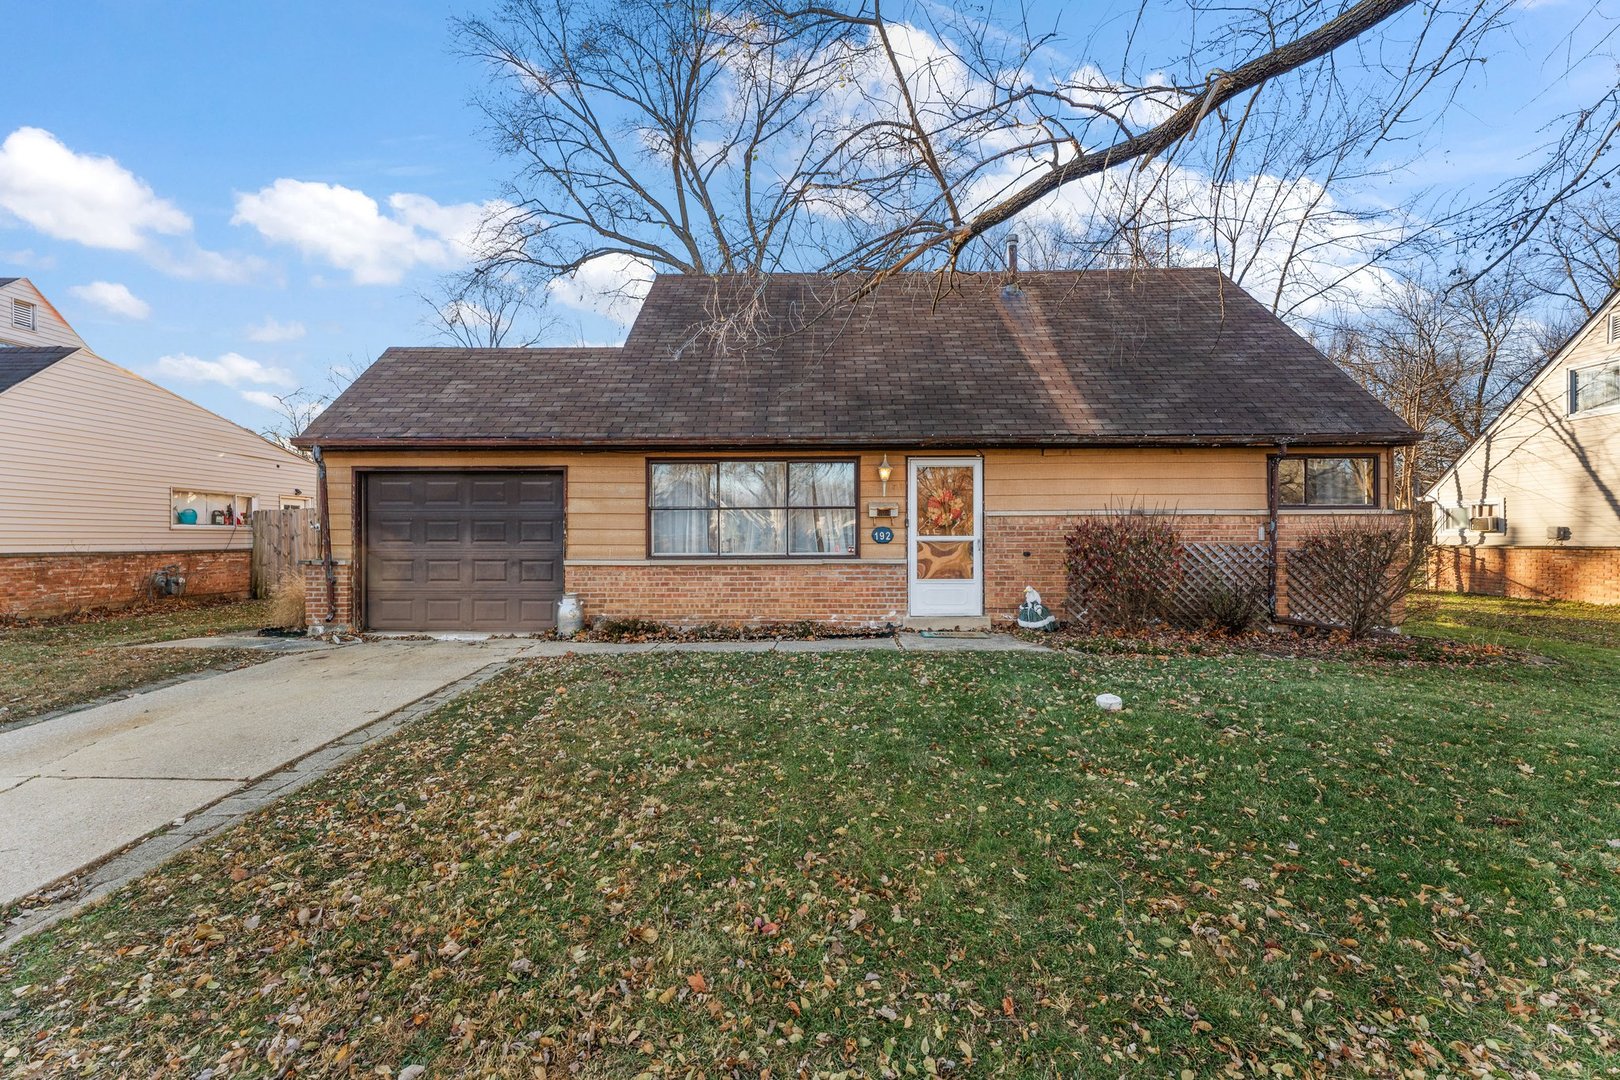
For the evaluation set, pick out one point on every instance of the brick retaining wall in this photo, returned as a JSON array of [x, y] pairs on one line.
[[1589, 575], [60, 584]]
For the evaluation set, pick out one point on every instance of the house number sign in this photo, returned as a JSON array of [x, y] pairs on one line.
[[882, 534]]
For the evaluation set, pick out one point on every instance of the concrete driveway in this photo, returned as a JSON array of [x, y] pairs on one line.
[[81, 786]]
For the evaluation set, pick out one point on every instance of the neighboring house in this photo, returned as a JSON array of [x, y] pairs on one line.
[[107, 477], [1532, 508], [768, 451]]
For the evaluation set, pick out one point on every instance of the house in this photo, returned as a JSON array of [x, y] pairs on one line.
[[108, 477], [1532, 508], [767, 450]]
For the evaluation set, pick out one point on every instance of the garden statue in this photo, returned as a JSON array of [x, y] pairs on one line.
[[1032, 614]]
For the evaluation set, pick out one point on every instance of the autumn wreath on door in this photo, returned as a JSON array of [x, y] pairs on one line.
[[946, 495], [945, 505]]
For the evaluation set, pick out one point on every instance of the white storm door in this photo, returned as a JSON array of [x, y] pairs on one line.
[[945, 553]]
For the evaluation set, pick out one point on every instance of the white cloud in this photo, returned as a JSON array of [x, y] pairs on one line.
[[86, 198], [91, 199], [231, 369], [113, 298], [272, 330], [348, 229], [262, 398], [612, 286]]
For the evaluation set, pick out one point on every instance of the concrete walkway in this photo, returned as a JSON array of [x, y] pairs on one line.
[[81, 786]]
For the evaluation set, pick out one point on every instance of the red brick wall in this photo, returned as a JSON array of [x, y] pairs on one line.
[[316, 612], [66, 583], [1022, 551], [1019, 551], [1590, 575], [851, 593]]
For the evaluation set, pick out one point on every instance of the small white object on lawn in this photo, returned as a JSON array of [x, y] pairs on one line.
[[1110, 702], [412, 1072]]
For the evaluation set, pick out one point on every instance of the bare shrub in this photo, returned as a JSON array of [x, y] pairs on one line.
[[1353, 571], [1230, 607], [287, 604], [1122, 568]]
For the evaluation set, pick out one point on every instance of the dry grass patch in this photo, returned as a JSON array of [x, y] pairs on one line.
[[64, 662]]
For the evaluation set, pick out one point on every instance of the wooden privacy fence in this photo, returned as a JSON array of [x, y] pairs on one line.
[[280, 539]]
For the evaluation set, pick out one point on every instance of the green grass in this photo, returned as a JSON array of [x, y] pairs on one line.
[[895, 864], [51, 666], [1494, 619]]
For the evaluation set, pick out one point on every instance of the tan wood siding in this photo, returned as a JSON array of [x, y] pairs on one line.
[[92, 452], [1189, 480], [607, 494], [1543, 467]]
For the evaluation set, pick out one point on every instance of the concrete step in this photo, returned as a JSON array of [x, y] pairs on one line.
[[948, 622]]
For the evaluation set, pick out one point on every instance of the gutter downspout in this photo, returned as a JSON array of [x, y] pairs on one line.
[[326, 537], [1272, 462]]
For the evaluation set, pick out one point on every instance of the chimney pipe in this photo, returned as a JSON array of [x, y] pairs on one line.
[[1012, 254]]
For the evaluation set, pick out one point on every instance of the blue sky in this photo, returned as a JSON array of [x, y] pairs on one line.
[[227, 153]]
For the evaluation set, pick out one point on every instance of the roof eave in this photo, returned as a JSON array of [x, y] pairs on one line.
[[390, 442]]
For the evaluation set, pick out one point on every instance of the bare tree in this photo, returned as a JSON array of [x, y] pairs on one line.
[[294, 411], [987, 154], [1447, 360], [756, 135], [1578, 255], [297, 408], [679, 136], [488, 307]]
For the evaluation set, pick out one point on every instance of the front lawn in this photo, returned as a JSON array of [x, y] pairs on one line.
[[894, 864], [67, 662]]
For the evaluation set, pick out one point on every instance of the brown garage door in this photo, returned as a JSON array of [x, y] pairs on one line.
[[463, 550]]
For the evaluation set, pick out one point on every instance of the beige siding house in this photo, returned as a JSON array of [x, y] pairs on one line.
[[1532, 508], [108, 476]]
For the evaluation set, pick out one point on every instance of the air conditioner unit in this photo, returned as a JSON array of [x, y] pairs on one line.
[[1487, 524]]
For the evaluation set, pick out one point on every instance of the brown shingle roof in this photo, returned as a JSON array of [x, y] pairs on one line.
[[17, 364], [1065, 358]]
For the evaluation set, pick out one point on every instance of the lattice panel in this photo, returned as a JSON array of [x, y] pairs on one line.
[[1321, 590], [1235, 568]]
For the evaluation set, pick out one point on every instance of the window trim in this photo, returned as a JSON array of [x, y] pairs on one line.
[[1570, 389], [723, 556], [1377, 483], [252, 500]]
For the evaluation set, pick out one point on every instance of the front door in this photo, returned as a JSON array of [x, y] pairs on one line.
[[946, 557]]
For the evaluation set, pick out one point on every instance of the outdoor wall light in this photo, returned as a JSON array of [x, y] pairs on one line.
[[885, 470]]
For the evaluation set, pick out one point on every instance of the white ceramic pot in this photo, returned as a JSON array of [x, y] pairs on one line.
[[570, 615]]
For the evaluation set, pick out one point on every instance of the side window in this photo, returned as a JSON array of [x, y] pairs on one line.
[[199, 508], [1304, 480]]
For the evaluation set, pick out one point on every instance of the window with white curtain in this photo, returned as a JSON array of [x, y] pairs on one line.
[[1595, 387], [752, 508]]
